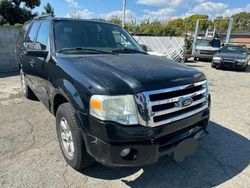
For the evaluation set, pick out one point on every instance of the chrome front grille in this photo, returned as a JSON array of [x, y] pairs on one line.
[[229, 60], [208, 52], [160, 107]]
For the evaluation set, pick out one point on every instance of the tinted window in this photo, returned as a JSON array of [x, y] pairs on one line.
[[33, 31], [94, 35], [43, 35]]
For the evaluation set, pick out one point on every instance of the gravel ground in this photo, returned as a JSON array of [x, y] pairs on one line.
[[30, 155]]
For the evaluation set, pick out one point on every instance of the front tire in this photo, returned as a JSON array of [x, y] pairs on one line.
[[69, 133]]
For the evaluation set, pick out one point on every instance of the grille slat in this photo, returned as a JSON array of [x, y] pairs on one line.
[[175, 99], [167, 105], [182, 116], [175, 109]]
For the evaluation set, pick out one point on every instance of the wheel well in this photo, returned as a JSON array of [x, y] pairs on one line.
[[58, 100]]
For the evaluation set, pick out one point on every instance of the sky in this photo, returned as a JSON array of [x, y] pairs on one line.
[[139, 10]]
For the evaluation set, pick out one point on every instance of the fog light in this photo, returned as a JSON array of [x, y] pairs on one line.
[[125, 152]]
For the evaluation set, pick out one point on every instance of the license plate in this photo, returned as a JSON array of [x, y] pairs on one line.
[[185, 148]]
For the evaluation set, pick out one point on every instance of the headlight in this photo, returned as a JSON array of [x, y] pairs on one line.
[[121, 109], [215, 58], [241, 60]]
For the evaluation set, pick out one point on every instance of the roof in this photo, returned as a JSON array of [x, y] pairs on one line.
[[49, 16]]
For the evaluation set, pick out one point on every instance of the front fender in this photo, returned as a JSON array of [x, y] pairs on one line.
[[67, 89]]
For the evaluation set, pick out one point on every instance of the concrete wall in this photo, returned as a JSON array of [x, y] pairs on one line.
[[8, 59]]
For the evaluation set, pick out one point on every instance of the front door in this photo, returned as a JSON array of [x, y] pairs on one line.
[[41, 63]]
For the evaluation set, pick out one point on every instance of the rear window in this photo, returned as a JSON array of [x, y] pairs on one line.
[[23, 32]]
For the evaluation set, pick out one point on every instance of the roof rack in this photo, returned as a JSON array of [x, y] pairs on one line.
[[42, 16]]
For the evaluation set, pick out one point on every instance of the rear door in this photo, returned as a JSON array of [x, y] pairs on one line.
[[20, 41], [28, 64]]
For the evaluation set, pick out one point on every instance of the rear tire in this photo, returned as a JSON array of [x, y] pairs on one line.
[[69, 133], [27, 92]]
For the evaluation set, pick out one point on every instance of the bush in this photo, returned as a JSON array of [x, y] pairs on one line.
[[18, 25]]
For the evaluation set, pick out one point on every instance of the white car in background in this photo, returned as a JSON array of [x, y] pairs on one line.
[[151, 52]]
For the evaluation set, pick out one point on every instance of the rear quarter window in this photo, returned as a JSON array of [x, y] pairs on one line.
[[31, 37], [22, 33]]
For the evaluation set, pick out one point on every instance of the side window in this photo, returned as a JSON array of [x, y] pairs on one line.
[[43, 36], [22, 33], [33, 31]]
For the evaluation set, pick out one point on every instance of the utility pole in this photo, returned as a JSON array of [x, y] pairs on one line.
[[195, 36], [229, 30], [124, 13]]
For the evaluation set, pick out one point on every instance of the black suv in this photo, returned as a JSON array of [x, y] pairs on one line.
[[113, 102]]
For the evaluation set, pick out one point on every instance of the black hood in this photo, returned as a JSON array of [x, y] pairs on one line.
[[134, 73]]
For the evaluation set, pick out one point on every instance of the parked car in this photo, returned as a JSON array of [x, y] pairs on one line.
[[206, 48], [232, 56], [113, 102]]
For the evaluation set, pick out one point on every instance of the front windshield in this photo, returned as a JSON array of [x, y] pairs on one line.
[[80, 37], [234, 49], [205, 42]]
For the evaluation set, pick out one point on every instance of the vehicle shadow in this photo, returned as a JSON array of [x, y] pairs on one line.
[[192, 65], [7, 74], [222, 155], [233, 70]]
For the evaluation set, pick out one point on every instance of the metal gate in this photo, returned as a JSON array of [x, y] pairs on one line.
[[172, 47]]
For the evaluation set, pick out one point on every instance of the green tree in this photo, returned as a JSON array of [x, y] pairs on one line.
[[242, 21], [221, 24], [13, 13], [28, 3], [48, 9], [115, 19]]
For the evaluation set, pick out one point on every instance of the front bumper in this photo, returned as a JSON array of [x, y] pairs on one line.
[[232, 65], [105, 140], [204, 56]]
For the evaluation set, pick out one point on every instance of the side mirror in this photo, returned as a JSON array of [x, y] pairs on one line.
[[144, 47], [37, 53]]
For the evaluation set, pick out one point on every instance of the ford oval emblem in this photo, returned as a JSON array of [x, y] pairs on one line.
[[183, 102]]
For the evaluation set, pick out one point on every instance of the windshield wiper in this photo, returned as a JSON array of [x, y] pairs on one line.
[[128, 50], [85, 49]]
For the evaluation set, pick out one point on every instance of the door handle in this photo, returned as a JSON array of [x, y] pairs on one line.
[[32, 62]]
